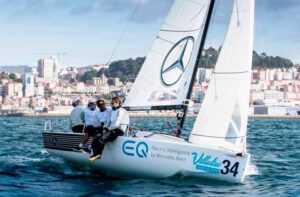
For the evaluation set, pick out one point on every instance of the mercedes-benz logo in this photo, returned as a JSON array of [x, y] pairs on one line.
[[176, 61], [54, 140]]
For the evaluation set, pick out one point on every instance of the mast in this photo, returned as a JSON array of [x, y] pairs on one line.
[[189, 94]]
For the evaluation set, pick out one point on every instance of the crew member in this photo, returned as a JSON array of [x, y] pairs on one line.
[[76, 117], [117, 126], [103, 115], [90, 118]]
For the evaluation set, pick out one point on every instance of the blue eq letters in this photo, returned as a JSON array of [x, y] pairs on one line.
[[131, 149]]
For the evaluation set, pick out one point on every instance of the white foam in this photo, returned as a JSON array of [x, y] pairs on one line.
[[252, 170], [22, 159], [44, 152]]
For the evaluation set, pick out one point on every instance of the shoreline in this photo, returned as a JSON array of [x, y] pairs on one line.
[[136, 115]]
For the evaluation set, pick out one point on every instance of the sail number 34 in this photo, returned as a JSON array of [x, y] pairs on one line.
[[228, 168]]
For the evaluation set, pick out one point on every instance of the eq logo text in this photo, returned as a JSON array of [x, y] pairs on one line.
[[133, 148]]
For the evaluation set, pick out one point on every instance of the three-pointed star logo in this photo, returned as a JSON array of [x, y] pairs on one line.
[[178, 64], [54, 140]]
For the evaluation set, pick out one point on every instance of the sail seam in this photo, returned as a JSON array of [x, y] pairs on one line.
[[176, 31], [219, 137], [158, 37], [243, 11]]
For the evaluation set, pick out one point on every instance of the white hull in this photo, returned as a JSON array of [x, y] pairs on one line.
[[158, 156]]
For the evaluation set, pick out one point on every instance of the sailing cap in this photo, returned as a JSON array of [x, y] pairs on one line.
[[75, 99], [92, 100], [100, 102]]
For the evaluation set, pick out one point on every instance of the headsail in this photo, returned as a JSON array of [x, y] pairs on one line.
[[164, 79], [222, 120]]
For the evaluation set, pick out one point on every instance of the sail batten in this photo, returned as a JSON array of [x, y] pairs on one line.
[[222, 120], [165, 76]]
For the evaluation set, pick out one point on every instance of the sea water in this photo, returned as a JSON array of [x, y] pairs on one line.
[[26, 169]]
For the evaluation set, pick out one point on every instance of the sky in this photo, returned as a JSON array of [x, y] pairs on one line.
[[89, 31]]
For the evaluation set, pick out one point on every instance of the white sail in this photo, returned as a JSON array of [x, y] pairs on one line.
[[165, 76], [222, 120]]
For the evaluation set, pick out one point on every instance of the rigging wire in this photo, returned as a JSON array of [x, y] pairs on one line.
[[125, 30], [237, 12], [216, 95]]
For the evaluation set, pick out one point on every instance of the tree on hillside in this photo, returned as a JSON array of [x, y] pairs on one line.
[[12, 76], [88, 76], [259, 60], [101, 72], [126, 70]]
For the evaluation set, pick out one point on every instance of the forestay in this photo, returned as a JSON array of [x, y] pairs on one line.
[[222, 120], [164, 79]]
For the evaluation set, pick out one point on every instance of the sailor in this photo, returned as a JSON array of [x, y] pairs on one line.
[[90, 118], [117, 126], [103, 115], [76, 117]]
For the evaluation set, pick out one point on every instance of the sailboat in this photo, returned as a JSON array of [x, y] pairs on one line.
[[216, 147]]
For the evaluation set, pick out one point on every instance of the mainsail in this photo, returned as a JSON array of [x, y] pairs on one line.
[[165, 77], [222, 120]]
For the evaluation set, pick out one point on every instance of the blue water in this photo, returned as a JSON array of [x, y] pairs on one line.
[[26, 169]]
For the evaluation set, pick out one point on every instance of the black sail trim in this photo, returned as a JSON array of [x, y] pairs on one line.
[[159, 107], [193, 77]]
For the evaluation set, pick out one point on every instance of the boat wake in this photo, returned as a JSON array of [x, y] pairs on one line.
[[37, 157], [252, 170], [23, 159], [44, 152]]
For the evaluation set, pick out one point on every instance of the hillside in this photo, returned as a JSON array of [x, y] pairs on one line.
[[128, 69], [210, 56]]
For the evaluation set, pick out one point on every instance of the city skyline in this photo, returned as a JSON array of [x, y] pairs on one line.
[[87, 31]]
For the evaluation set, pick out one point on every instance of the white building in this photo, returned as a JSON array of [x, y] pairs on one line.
[[97, 81], [262, 75], [8, 89], [256, 95], [18, 90], [48, 68], [28, 84], [208, 73], [100, 66], [40, 90], [287, 75], [274, 95], [279, 75], [201, 75]]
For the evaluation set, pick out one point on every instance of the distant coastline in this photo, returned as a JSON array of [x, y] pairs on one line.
[[144, 115]]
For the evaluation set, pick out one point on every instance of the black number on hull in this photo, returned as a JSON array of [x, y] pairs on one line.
[[227, 169], [234, 168]]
